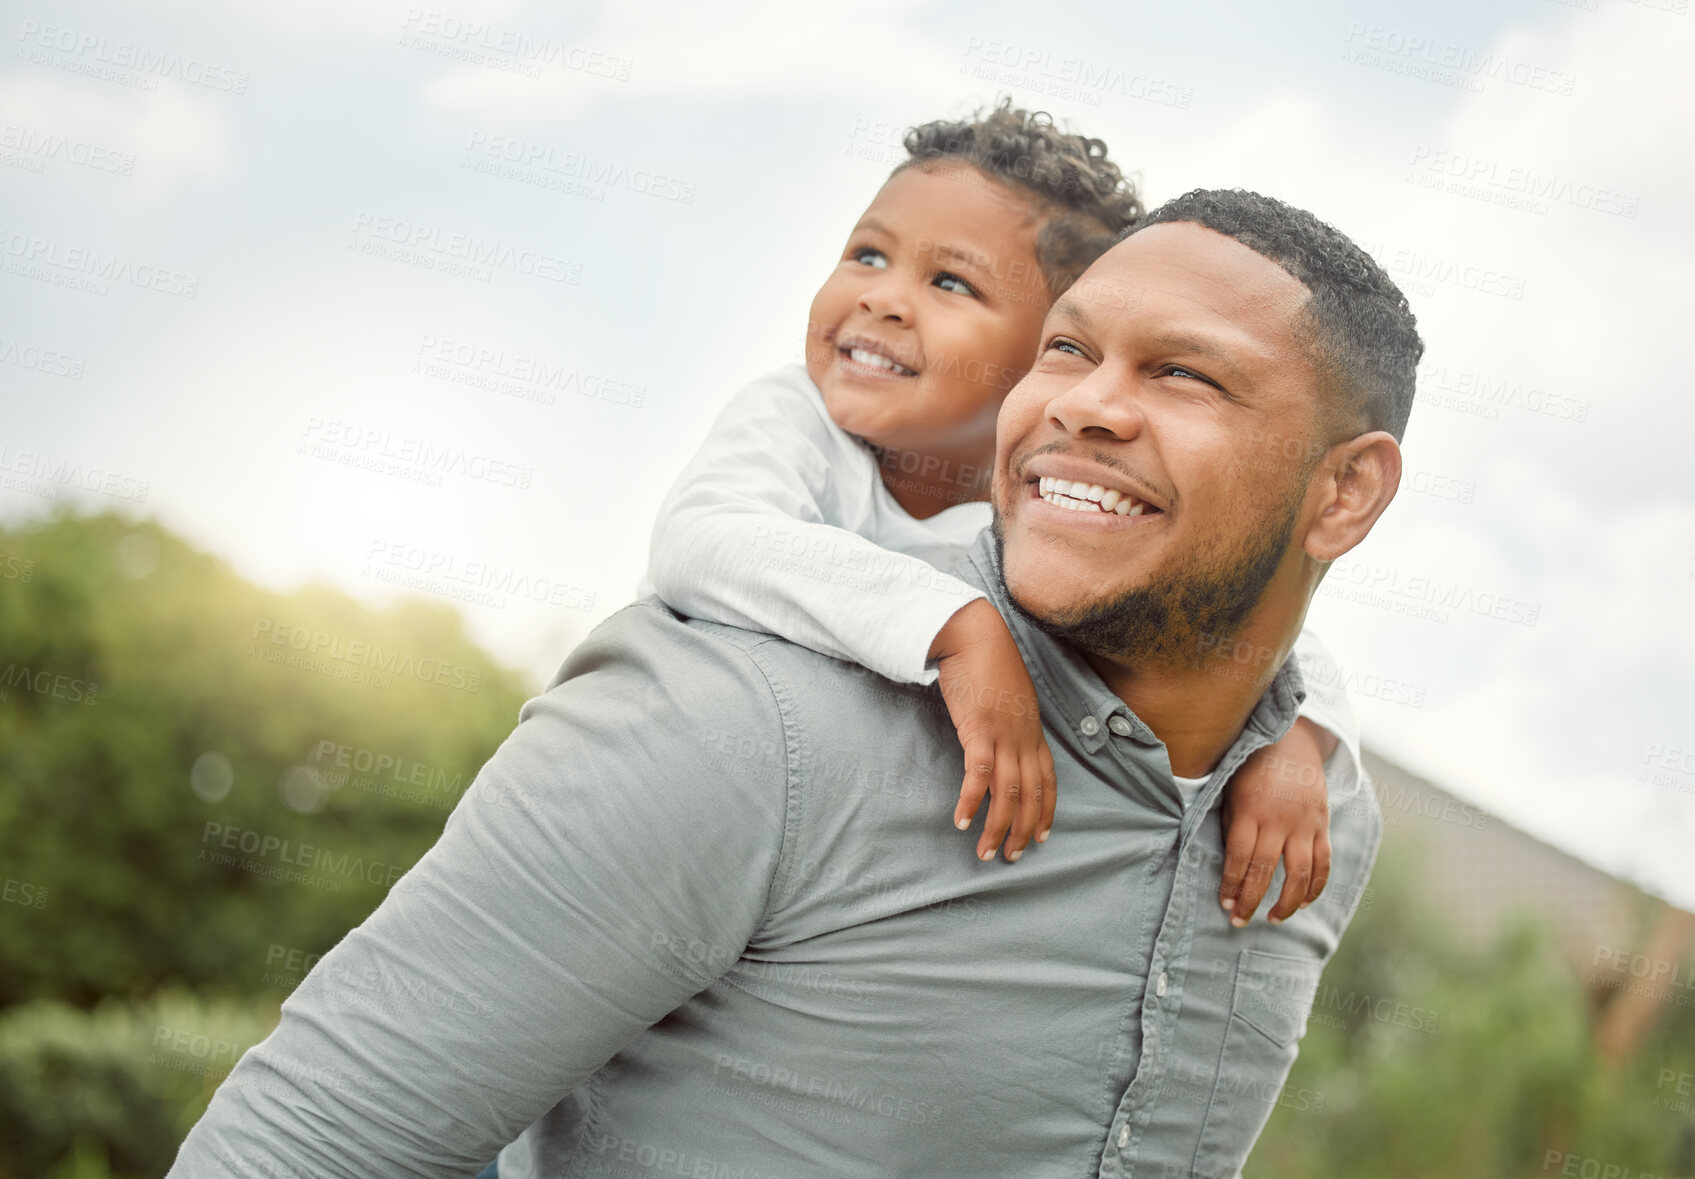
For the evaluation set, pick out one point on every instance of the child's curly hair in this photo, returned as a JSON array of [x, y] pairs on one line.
[[1089, 201]]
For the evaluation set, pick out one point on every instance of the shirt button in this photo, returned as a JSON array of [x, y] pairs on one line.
[[1159, 987], [1120, 726], [1090, 726], [1123, 1137]]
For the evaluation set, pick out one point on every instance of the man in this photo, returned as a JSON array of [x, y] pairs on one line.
[[703, 883]]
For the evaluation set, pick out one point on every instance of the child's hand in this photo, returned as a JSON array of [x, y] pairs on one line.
[[1278, 805], [993, 705]]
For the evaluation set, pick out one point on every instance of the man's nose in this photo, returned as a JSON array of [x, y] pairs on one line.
[[1107, 401]]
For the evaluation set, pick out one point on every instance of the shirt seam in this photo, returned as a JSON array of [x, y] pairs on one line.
[[791, 821]]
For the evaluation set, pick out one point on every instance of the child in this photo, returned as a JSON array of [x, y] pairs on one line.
[[825, 495]]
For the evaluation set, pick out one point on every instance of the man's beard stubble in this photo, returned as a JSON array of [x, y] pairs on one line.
[[1184, 614]]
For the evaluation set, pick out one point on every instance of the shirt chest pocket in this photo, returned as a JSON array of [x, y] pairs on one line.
[[1269, 1005]]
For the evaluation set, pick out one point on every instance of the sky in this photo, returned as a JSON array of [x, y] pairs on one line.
[[261, 265]]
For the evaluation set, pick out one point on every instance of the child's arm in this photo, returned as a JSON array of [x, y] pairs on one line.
[[993, 705], [762, 530], [1278, 803]]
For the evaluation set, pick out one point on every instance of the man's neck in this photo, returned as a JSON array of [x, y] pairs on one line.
[[1197, 711]]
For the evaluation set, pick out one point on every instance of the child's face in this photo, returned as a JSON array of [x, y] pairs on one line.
[[932, 314]]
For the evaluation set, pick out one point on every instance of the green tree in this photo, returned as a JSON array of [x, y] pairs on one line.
[[174, 741]]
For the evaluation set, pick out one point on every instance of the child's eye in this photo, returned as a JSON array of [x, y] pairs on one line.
[[867, 256], [952, 282]]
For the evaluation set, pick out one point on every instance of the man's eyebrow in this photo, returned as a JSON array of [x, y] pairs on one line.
[[1199, 345], [1068, 307]]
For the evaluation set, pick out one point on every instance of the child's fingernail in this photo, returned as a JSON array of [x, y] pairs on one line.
[[1012, 856], [962, 824], [988, 855], [1042, 836], [1229, 903], [1237, 922], [1275, 920]]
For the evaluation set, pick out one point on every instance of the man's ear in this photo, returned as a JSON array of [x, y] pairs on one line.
[[1356, 481]]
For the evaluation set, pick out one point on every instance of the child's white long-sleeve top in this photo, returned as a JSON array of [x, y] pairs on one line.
[[781, 523]]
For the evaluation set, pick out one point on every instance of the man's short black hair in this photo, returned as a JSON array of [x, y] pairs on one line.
[[1088, 201], [1360, 331]]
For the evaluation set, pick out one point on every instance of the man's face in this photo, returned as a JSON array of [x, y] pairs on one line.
[[1172, 374], [932, 314]]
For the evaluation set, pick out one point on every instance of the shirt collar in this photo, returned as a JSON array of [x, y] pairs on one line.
[[1086, 713]]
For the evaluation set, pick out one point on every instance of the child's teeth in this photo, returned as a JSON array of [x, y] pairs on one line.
[[878, 360]]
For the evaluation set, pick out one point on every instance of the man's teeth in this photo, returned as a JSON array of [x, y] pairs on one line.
[[878, 360], [1088, 497]]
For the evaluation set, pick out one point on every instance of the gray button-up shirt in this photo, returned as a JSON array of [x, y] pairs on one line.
[[710, 883]]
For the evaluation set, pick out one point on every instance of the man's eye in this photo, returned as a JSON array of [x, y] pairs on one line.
[[867, 256], [952, 282], [1177, 370], [1061, 344]]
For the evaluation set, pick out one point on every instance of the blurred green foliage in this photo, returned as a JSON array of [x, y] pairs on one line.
[[126, 656], [1438, 1062], [113, 1091], [135, 965]]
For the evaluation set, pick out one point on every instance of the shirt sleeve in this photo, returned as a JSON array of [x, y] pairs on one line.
[[577, 896], [1327, 706], [760, 531]]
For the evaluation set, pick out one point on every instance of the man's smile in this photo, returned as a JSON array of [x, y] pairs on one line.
[[1078, 493]]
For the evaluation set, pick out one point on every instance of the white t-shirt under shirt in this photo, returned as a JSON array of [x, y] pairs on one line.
[[781, 523]]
